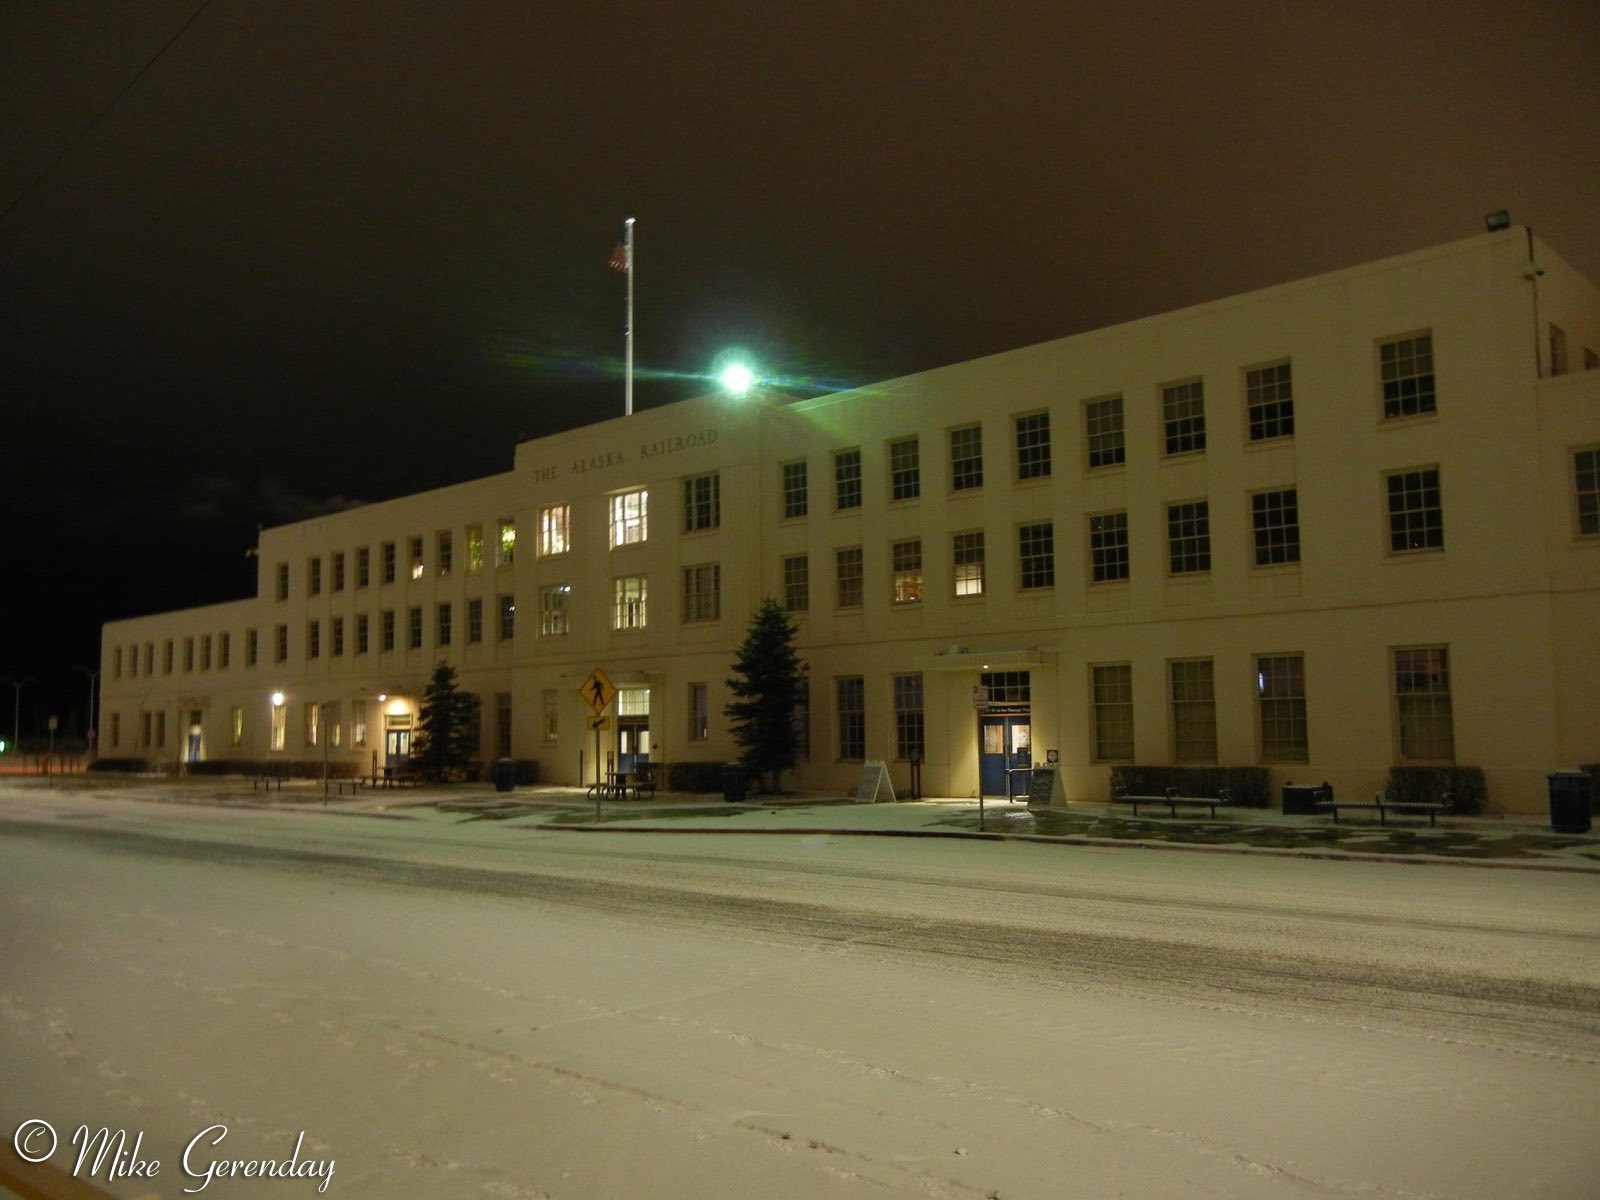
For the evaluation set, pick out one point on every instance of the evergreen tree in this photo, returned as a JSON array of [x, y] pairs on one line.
[[766, 683], [443, 747]]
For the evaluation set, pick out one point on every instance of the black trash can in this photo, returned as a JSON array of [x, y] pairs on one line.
[[733, 782], [504, 772], [1305, 798], [1571, 801]]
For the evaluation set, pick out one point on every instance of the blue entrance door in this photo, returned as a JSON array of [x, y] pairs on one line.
[[1006, 754]]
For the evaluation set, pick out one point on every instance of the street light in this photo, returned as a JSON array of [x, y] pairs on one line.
[[733, 373], [16, 716], [91, 676]]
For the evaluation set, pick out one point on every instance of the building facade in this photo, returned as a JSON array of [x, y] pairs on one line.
[[1327, 527]]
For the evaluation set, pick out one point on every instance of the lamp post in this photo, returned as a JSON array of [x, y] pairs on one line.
[[16, 715], [91, 676]]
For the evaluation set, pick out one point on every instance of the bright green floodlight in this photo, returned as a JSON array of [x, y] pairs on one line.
[[737, 379]]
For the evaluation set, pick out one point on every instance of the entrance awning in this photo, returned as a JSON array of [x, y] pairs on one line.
[[985, 660]]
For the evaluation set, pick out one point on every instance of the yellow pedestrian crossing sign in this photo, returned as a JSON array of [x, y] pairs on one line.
[[598, 690]]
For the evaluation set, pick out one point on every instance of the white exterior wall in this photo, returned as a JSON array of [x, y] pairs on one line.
[[1514, 594]]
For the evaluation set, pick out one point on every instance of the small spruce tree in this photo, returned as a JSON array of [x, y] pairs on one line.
[[766, 682], [442, 748]]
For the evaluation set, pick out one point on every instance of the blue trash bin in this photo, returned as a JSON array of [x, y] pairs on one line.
[[505, 775]]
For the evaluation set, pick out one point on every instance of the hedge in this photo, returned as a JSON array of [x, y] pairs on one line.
[[694, 777], [1425, 784]]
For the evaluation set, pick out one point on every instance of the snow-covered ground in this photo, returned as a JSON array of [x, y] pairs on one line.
[[472, 1009]]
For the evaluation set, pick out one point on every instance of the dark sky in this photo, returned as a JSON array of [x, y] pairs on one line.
[[260, 258]]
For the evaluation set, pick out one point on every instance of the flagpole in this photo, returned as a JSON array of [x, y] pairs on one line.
[[627, 385]]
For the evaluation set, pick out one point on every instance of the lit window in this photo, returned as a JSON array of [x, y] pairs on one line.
[[1269, 402], [418, 566], [1183, 417], [905, 469], [506, 539], [1189, 537], [966, 458], [906, 562], [1194, 711], [967, 562], [1424, 723], [1281, 707], [1036, 550], [474, 549], [1102, 421], [1275, 520], [702, 503], [1405, 370], [630, 594], [280, 722], [1416, 515], [1033, 446], [236, 726], [554, 601], [630, 524], [555, 529], [1108, 547]]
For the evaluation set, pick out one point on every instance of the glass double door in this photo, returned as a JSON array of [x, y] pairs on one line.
[[1005, 758]]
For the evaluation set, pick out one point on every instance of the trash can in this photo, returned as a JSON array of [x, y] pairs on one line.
[[733, 782], [504, 772], [1571, 801], [1305, 797]]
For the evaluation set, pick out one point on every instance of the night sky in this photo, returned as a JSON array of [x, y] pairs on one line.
[[260, 259]]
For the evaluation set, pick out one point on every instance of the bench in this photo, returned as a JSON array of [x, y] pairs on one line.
[[1384, 806], [267, 780], [350, 785], [390, 778], [1172, 800], [620, 785]]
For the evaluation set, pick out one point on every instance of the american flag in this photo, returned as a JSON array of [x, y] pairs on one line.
[[622, 256]]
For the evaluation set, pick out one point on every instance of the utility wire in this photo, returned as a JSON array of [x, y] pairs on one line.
[[61, 154]]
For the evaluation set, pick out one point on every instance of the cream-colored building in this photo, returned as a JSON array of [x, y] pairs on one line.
[[1326, 527]]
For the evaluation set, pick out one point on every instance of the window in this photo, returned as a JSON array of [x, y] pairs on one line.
[[905, 469], [1275, 519], [116, 663], [358, 722], [1033, 446], [1281, 708], [283, 581], [1183, 417], [1108, 547], [702, 592], [280, 722], [506, 542], [1423, 721], [1405, 369], [1591, 359], [419, 566], [444, 544], [847, 577], [1586, 490], [502, 724], [337, 648], [335, 722], [630, 596], [554, 599], [966, 458], [1416, 518], [150, 659], [474, 549], [252, 647], [552, 715], [475, 620], [280, 646], [909, 741], [852, 694], [363, 633], [629, 518], [161, 728], [144, 730], [1036, 553], [363, 566], [1102, 422], [967, 563], [795, 501], [796, 583], [1189, 537], [800, 718], [1112, 697], [386, 629], [314, 576], [1269, 402], [846, 479], [133, 661], [414, 627], [1194, 711], [224, 650], [906, 561], [506, 605], [388, 553], [443, 619], [188, 655], [702, 502], [312, 716], [699, 712], [555, 529], [338, 570], [1008, 687], [116, 729], [1558, 350], [236, 726]]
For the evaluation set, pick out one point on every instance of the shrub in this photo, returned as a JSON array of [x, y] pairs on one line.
[[1251, 786], [693, 777], [527, 771], [1422, 785], [130, 765]]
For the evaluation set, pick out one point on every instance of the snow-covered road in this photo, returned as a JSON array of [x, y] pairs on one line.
[[457, 1009]]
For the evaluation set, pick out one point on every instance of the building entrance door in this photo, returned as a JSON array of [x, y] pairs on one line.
[[191, 753], [396, 747], [1006, 756], [633, 728]]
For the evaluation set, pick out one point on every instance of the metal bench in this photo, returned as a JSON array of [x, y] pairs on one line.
[[1173, 801], [1383, 807]]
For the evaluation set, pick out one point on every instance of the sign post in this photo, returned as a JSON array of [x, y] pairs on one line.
[[980, 704], [598, 692]]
